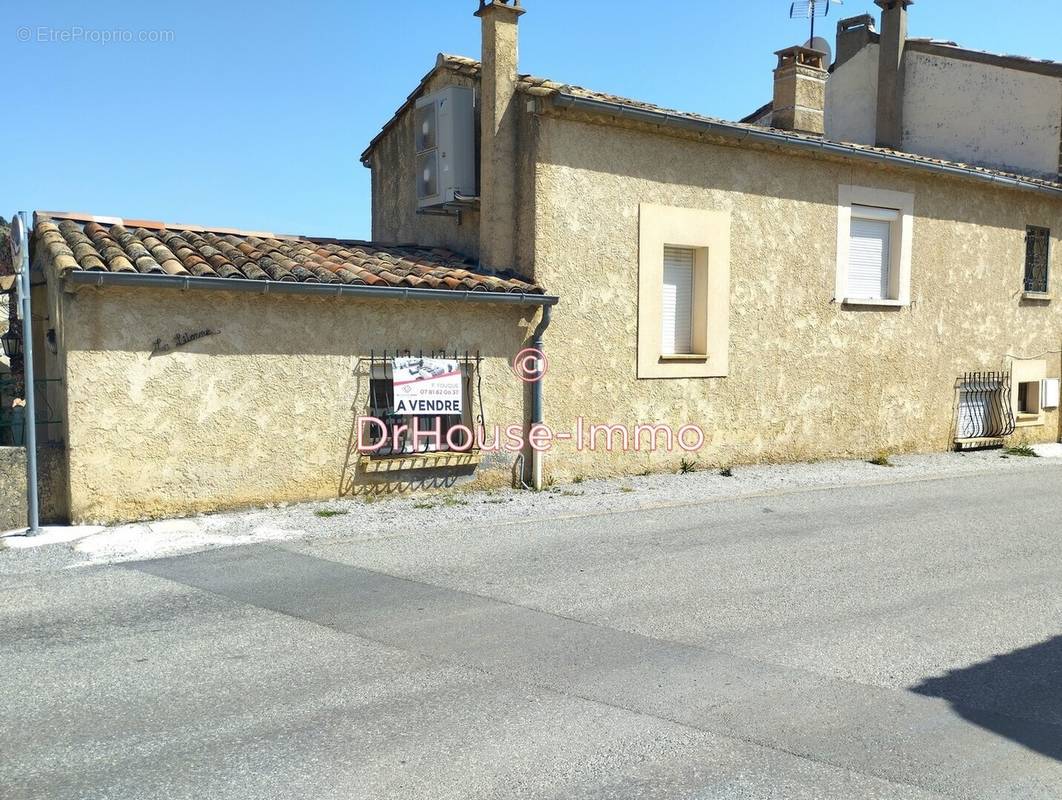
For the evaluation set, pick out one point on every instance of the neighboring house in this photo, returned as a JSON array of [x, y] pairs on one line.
[[793, 296], [937, 99]]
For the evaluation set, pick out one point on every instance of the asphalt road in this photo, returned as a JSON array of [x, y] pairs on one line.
[[898, 641]]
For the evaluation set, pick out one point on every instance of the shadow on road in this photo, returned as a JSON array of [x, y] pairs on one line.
[[1017, 695]]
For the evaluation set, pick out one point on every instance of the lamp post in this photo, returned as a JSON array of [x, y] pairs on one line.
[[20, 259]]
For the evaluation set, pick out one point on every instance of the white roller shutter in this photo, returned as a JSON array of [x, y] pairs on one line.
[[868, 254], [677, 301], [974, 415]]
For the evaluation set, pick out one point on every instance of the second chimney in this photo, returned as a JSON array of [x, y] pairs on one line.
[[891, 72], [497, 115], [800, 91], [853, 34]]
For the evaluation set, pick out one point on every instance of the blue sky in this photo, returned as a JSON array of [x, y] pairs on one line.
[[255, 113]]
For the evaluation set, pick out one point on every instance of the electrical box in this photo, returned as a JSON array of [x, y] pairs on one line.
[[1049, 393], [445, 142]]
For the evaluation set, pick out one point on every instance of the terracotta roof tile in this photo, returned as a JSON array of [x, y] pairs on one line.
[[543, 87], [84, 242]]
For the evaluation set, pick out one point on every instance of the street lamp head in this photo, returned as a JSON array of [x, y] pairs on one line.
[[12, 342]]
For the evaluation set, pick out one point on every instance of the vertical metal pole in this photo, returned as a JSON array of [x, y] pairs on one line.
[[536, 394], [30, 423]]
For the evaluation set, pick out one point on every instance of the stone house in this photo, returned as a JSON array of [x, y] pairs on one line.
[[790, 295]]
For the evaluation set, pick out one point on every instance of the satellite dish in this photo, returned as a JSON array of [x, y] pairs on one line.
[[820, 44]]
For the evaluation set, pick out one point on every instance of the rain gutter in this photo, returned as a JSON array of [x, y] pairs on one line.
[[103, 279]]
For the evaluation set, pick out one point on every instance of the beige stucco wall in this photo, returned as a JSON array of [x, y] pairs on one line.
[[807, 378], [261, 412]]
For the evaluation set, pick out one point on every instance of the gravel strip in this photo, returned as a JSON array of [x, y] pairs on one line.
[[407, 515], [357, 519]]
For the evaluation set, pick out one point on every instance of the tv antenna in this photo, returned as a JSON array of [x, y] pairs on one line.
[[809, 9]]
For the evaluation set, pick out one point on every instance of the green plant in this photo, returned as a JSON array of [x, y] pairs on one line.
[[626, 488], [1021, 450], [727, 472], [494, 500], [882, 460], [329, 512], [686, 466], [369, 499], [570, 493], [578, 479], [450, 500], [424, 504]]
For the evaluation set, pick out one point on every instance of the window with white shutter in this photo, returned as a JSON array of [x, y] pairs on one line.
[[677, 301], [875, 235], [869, 252]]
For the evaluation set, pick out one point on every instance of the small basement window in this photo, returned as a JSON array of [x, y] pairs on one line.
[[1029, 398], [984, 409], [1037, 246]]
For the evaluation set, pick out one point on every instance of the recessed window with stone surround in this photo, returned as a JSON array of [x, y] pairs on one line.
[[874, 237], [683, 292]]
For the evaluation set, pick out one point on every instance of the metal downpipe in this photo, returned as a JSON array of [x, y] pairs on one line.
[[536, 393], [29, 426]]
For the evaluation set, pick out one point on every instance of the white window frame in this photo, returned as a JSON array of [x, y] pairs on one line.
[[898, 209]]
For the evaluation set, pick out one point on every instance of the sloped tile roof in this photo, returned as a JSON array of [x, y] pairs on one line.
[[543, 87], [84, 242]]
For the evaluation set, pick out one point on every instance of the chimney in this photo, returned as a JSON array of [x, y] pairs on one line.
[[799, 91], [853, 34], [497, 117], [890, 72]]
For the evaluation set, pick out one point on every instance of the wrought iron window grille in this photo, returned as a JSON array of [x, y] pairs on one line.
[[1037, 247], [381, 404], [984, 409]]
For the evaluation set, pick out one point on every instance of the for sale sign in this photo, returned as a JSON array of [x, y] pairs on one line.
[[426, 385]]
